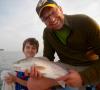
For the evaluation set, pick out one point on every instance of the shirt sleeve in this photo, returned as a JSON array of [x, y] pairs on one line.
[[92, 74]]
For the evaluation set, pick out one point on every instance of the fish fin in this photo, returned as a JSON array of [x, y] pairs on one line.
[[61, 83]]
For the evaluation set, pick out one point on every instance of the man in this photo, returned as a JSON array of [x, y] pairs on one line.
[[75, 39]]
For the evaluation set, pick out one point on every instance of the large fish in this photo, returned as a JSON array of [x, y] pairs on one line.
[[44, 66]]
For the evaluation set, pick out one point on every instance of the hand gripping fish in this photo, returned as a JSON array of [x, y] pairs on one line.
[[46, 67]]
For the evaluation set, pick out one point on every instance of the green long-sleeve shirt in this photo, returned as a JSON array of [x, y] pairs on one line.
[[84, 35]]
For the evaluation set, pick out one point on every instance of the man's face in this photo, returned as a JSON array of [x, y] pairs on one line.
[[53, 18], [29, 50]]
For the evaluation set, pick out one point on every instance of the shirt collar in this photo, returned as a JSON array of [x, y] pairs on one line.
[[66, 21]]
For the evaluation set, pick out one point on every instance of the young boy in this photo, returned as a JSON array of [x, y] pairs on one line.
[[30, 49]]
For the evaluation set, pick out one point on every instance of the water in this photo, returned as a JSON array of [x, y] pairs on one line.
[[7, 58]]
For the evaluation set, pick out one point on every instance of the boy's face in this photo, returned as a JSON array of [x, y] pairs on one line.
[[29, 50], [53, 18]]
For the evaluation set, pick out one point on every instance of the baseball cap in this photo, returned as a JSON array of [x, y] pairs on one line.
[[45, 3]]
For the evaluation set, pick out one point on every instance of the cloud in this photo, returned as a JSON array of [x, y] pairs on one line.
[[18, 19]]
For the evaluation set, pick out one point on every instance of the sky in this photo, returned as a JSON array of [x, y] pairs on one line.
[[19, 20]]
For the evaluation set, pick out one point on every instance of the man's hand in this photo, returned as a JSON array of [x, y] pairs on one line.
[[35, 73], [38, 82], [32, 84], [72, 79]]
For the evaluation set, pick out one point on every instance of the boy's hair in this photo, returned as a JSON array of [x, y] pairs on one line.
[[31, 41]]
